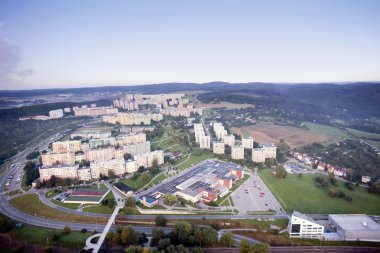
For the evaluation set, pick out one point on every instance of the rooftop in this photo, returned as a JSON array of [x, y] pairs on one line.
[[355, 222]]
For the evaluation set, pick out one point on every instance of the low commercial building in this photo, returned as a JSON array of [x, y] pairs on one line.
[[189, 195], [218, 147], [302, 226], [237, 152], [355, 227], [148, 201], [123, 189]]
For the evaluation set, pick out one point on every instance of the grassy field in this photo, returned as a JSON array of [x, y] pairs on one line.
[[136, 184], [31, 204], [14, 192], [73, 206], [51, 193], [302, 195], [161, 177], [24, 186], [364, 135], [329, 130], [42, 236], [192, 160], [100, 208], [375, 143]]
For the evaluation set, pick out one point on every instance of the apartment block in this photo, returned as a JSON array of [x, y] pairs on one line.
[[229, 140], [138, 148], [129, 138], [56, 114], [237, 152], [84, 174], [49, 159], [66, 146], [266, 151], [205, 142], [93, 132], [270, 150], [102, 154], [95, 111], [147, 159], [218, 147], [59, 171], [131, 166], [258, 155], [103, 167], [247, 142]]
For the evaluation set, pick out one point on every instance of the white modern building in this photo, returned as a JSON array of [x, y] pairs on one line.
[[247, 142], [302, 226], [237, 152]]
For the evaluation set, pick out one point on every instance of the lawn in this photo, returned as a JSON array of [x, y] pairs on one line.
[[329, 130], [192, 160], [14, 192], [160, 178], [51, 193], [38, 235], [24, 186], [265, 224], [375, 143], [302, 195], [138, 183], [31, 204], [101, 208], [73, 206], [364, 135]]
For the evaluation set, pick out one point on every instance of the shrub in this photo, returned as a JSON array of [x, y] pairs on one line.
[[66, 230], [55, 237], [84, 230], [349, 186], [348, 198], [332, 193], [341, 194], [161, 221]]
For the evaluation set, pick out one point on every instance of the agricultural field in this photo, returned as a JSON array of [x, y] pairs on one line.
[[224, 105], [293, 136], [329, 130], [302, 195]]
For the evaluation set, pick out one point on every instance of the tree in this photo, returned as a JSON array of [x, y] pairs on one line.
[[281, 172], [245, 246], [111, 174], [66, 230], [300, 176], [130, 202], [181, 232], [332, 193], [135, 249], [227, 240], [5, 224], [154, 166], [375, 187], [161, 221], [157, 234], [170, 199]]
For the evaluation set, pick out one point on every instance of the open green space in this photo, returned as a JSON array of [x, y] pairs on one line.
[[159, 178], [44, 236], [31, 204], [154, 207], [14, 192], [139, 182], [364, 135], [24, 186], [192, 160], [302, 195], [375, 143], [101, 208], [73, 206], [51, 193], [329, 130], [265, 224]]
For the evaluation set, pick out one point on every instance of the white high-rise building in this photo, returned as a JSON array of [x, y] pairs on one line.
[[205, 142], [218, 147], [258, 155], [229, 140], [237, 152], [247, 142]]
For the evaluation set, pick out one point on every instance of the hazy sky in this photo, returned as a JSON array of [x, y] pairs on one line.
[[75, 43]]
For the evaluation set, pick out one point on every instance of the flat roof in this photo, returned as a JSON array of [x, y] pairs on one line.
[[355, 222]]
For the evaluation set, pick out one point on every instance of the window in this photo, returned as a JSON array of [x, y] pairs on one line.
[[296, 228]]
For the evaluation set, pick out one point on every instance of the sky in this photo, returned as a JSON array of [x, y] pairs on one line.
[[59, 44]]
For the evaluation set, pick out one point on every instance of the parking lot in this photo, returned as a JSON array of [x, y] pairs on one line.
[[254, 196]]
